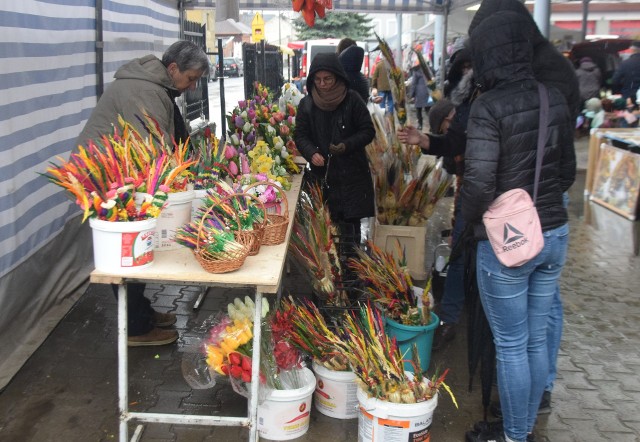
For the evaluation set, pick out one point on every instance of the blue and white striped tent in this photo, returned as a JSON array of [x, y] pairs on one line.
[[48, 85]]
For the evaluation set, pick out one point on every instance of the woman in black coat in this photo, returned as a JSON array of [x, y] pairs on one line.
[[333, 127], [501, 155]]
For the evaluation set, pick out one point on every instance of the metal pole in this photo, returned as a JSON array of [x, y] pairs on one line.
[[541, 15], [263, 60], [99, 51], [223, 122], [585, 16]]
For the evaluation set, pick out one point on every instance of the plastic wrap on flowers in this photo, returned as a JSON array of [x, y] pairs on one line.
[[195, 370]]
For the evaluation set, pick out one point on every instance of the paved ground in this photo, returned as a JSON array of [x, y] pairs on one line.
[[67, 391]]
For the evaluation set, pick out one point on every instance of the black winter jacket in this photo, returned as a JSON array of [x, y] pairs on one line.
[[350, 186], [503, 126], [549, 65], [351, 59], [626, 79]]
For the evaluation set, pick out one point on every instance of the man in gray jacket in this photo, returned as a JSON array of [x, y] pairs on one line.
[[149, 86]]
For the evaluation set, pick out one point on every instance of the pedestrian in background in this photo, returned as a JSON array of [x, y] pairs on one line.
[[333, 127], [589, 79], [500, 156], [420, 94], [381, 87], [626, 79], [149, 86], [351, 57]]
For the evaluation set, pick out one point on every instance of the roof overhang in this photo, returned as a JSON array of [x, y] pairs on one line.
[[371, 6]]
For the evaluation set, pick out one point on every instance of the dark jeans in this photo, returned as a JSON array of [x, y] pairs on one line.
[[419, 111], [453, 295], [139, 311]]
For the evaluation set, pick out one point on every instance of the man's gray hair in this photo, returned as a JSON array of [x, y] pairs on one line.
[[187, 56]]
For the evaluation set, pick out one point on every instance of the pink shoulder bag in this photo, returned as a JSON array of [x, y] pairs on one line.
[[512, 221]]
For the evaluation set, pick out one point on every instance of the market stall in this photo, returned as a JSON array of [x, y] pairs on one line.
[[613, 170], [262, 272]]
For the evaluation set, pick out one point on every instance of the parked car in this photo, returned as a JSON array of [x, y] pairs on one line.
[[233, 67]]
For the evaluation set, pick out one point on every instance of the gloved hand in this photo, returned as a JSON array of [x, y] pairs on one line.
[[337, 149]]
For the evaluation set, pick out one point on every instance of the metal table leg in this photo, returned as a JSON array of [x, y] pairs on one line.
[[255, 369], [123, 394]]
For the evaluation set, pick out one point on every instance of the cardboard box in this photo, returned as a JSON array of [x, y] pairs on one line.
[[412, 239]]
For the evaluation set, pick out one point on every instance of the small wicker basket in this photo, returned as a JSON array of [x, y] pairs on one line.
[[275, 231], [228, 261], [257, 234]]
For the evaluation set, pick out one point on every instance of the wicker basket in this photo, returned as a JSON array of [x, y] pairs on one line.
[[275, 231], [222, 262], [257, 234]]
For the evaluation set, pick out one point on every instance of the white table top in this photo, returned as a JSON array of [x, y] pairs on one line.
[[262, 271]]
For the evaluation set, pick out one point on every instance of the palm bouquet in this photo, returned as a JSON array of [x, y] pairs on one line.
[[429, 75], [396, 81], [408, 202], [309, 332], [313, 245], [106, 176], [377, 361], [210, 163], [389, 285]]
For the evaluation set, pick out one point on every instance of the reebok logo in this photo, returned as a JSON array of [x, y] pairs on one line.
[[511, 234], [512, 238]]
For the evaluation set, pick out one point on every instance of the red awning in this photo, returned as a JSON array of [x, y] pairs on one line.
[[296, 44]]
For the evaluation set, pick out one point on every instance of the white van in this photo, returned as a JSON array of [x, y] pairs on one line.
[[314, 47]]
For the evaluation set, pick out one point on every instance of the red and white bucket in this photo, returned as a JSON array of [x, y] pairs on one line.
[[119, 246]]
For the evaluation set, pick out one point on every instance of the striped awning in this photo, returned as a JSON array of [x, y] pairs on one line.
[[371, 6]]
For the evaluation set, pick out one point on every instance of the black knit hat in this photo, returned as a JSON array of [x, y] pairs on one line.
[[438, 113]]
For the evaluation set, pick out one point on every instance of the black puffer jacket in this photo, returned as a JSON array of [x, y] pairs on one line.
[[549, 65], [349, 178], [626, 79], [503, 125], [351, 59]]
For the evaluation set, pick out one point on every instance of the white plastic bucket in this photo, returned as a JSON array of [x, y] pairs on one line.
[[336, 393], [176, 213], [198, 200], [381, 421], [284, 415], [122, 245]]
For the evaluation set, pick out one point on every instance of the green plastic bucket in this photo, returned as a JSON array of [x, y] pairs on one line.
[[407, 335]]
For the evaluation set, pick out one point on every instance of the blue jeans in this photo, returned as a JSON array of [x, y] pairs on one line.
[[554, 336], [517, 302], [554, 330], [453, 295], [387, 101]]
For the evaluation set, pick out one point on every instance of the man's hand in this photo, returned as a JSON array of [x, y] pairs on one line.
[[337, 149], [410, 135]]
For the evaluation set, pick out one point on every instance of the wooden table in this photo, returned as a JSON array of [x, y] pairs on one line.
[[263, 272]]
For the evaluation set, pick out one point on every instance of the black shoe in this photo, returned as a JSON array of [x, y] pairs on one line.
[[486, 426], [545, 403], [444, 333], [484, 436]]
